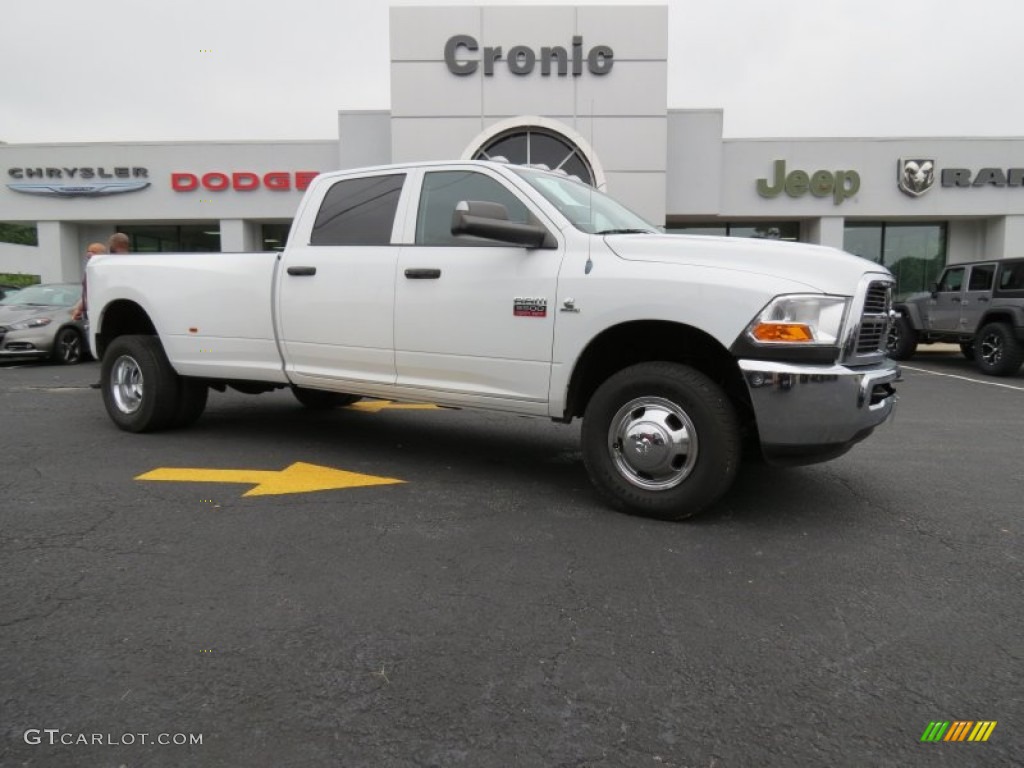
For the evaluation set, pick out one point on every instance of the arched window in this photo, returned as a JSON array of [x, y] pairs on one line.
[[528, 145]]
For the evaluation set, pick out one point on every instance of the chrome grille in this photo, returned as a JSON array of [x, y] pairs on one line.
[[874, 321]]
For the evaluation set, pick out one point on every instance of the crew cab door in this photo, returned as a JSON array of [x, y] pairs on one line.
[[944, 308], [978, 296], [335, 300], [474, 317]]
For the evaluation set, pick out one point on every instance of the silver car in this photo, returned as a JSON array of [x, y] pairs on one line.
[[36, 322]]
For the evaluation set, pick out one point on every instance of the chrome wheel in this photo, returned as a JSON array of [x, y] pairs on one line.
[[653, 443], [126, 384], [991, 349]]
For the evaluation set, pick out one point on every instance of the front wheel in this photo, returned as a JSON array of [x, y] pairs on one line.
[[997, 352], [661, 440], [902, 341], [68, 347], [140, 388]]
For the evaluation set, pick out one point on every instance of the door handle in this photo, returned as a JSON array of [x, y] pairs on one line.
[[983, 298], [302, 271], [423, 274]]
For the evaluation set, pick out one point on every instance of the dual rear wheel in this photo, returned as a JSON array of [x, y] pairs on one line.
[[142, 392]]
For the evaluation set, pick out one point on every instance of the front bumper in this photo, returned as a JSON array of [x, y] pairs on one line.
[[811, 413], [30, 342]]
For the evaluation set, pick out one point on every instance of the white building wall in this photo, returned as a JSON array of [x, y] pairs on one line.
[[436, 114]]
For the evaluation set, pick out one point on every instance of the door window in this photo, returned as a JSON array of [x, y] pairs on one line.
[[358, 211], [981, 277], [952, 281], [443, 190]]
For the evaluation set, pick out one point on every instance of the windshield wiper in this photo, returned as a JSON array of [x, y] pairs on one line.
[[625, 232]]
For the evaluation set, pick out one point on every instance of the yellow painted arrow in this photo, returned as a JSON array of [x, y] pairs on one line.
[[298, 478], [375, 406]]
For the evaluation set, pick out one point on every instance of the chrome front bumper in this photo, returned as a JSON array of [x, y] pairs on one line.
[[811, 413]]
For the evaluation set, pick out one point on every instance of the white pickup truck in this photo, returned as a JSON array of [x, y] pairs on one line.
[[477, 284]]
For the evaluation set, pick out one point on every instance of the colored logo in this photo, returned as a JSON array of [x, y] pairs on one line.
[[958, 730]]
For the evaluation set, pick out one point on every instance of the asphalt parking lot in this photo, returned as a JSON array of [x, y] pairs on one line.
[[488, 610]]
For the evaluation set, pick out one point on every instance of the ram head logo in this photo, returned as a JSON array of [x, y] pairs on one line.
[[915, 176]]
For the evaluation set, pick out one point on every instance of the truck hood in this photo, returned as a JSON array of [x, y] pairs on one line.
[[823, 269]]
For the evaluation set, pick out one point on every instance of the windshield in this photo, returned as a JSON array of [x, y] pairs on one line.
[[59, 295], [588, 210]]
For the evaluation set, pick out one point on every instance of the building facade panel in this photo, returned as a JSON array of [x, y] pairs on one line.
[[435, 139], [639, 40], [420, 34]]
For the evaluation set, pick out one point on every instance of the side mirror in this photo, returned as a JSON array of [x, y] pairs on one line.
[[490, 220]]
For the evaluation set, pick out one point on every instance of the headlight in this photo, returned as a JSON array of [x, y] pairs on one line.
[[38, 322], [800, 319]]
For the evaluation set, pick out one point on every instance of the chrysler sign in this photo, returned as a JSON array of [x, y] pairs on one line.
[[90, 181]]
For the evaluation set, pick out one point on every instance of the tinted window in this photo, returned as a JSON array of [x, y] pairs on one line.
[[981, 277], [952, 281], [358, 212], [443, 190], [1012, 277]]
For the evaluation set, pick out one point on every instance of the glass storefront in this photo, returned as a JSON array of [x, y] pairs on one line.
[[171, 238], [274, 236], [914, 253], [769, 230]]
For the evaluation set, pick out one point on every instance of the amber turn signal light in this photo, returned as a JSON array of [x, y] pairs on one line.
[[782, 332]]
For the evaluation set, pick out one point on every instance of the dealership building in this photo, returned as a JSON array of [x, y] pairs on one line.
[[581, 88]]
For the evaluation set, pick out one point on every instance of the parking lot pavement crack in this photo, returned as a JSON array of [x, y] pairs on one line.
[[91, 550], [869, 499], [58, 603]]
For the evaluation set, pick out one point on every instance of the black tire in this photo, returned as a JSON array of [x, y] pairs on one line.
[[997, 352], [192, 399], [141, 391], [319, 400], [967, 349], [697, 445], [68, 347], [902, 341]]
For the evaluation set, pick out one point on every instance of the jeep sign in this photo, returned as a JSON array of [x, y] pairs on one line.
[[839, 184]]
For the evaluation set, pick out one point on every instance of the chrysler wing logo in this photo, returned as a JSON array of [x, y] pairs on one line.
[[98, 189], [915, 177]]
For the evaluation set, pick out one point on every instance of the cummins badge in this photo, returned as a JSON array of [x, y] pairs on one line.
[[529, 307]]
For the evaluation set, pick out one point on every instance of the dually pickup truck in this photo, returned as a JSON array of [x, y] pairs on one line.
[[517, 289]]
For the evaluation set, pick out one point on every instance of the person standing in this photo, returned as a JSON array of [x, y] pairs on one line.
[[119, 242], [81, 307]]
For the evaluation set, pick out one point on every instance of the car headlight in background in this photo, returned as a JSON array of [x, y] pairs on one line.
[[37, 322], [800, 319]]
